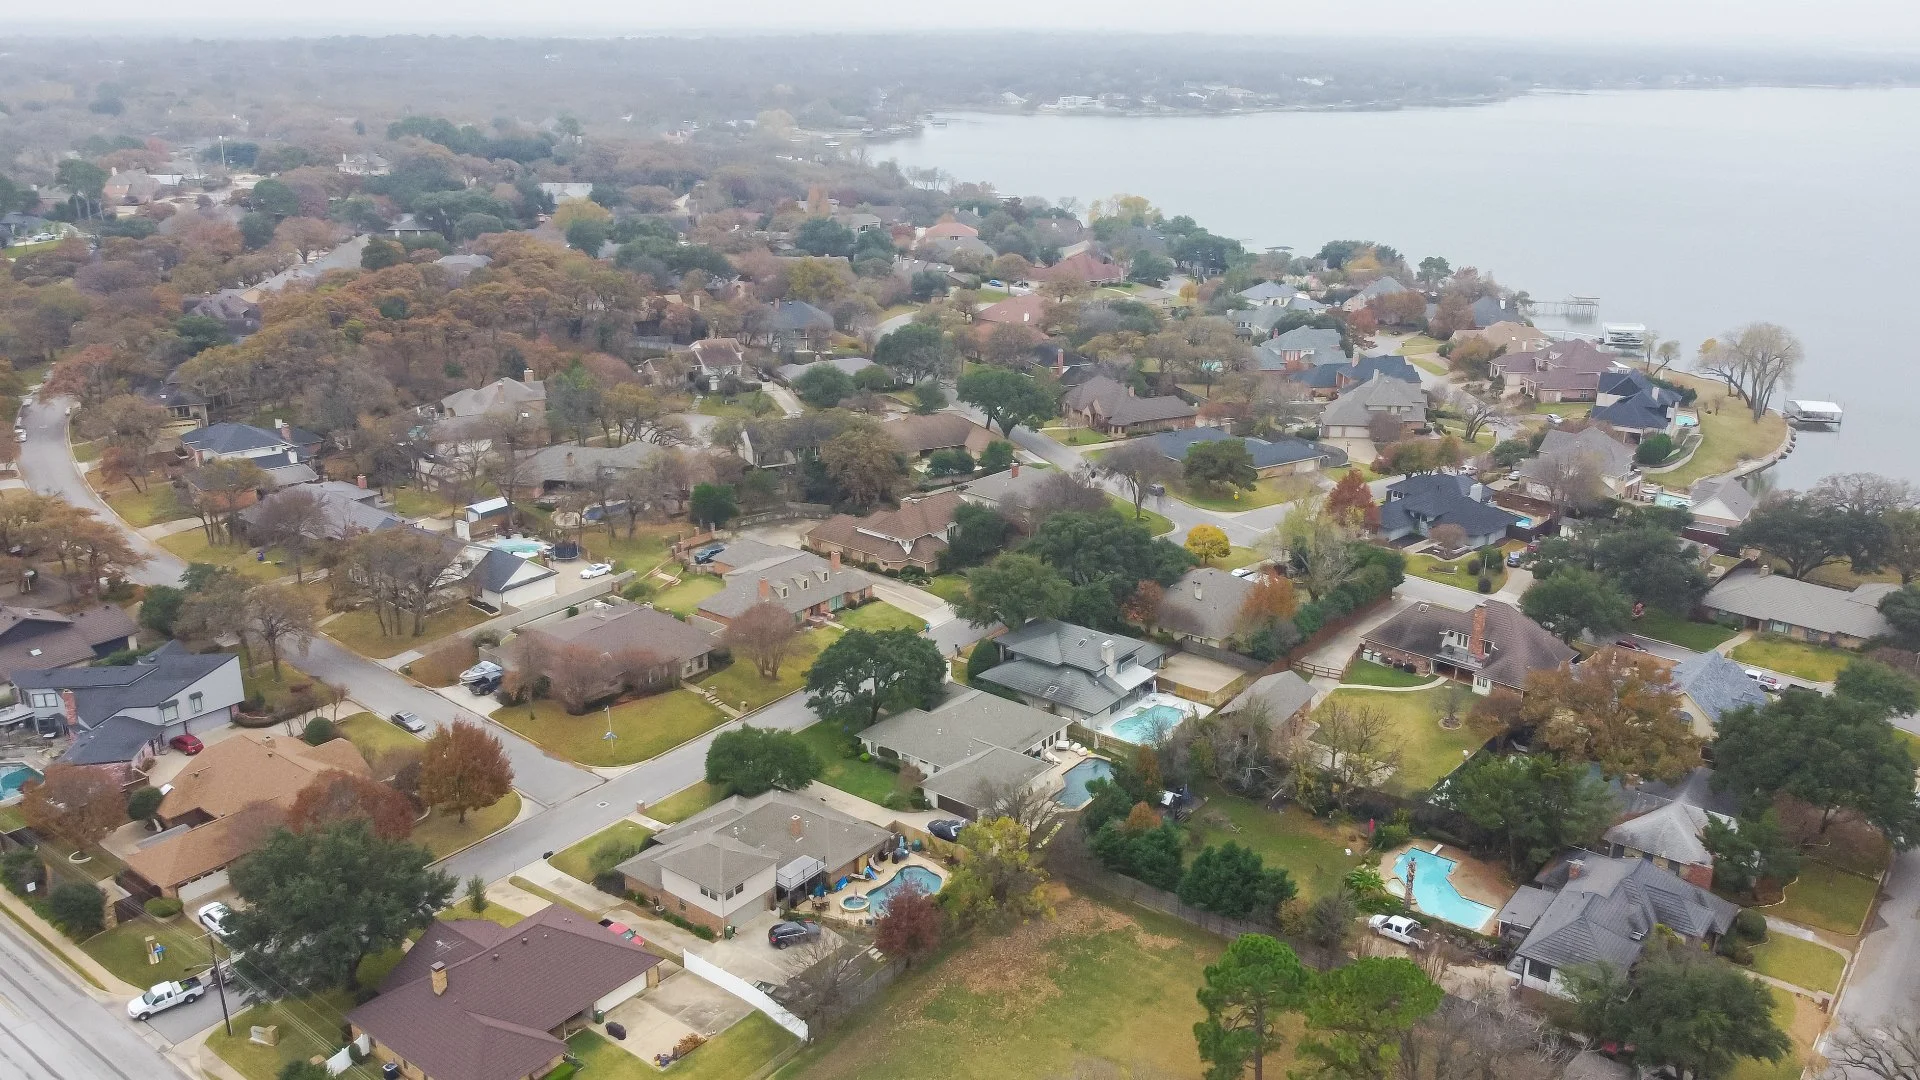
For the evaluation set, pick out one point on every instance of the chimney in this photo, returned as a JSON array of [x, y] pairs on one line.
[[1059, 361], [360, 481], [569, 459], [1477, 644], [293, 456], [1575, 868], [795, 827], [526, 374], [1196, 590], [439, 975], [1106, 657], [286, 433], [833, 560], [71, 709], [766, 589], [1015, 470]]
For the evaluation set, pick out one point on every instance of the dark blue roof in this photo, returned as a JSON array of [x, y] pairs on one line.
[[229, 438], [116, 740], [1441, 499], [1642, 412], [102, 692], [1265, 454]]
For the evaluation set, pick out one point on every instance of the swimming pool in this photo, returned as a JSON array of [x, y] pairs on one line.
[[1663, 498], [1075, 794], [919, 876], [1147, 725], [521, 546], [12, 776], [1433, 890], [1523, 521], [1687, 420]]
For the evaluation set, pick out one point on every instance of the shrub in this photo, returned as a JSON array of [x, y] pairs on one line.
[[1750, 925], [1486, 584], [162, 907], [143, 803], [319, 730], [20, 869], [1390, 836], [1473, 565], [477, 893], [573, 611], [691, 1041], [78, 910], [486, 637]]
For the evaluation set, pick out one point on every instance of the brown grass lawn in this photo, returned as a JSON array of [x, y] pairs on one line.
[[194, 548], [360, 630], [444, 833], [740, 682], [1730, 434]]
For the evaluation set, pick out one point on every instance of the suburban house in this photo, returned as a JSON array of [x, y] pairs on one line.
[[1563, 456], [1561, 371], [1258, 320], [474, 1000], [715, 357], [1494, 644], [846, 365], [1711, 686], [960, 248], [805, 584], [1107, 406], [1326, 380], [1268, 294], [1023, 310], [744, 856], [1085, 266], [1006, 491], [1286, 697], [345, 510], [677, 650], [170, 690], [526, 394], [562, 192], [229, 441], [1420, 504], [973, 750], [1079, 673], [1494, 310], [461, 266], [913, 535], [1351, 415], [920, 436], [1278, 457], [1630, 403], [1669, 836], [231, 307], [129, 188], [501, 579], [1383, 286], [1511, 337], [949, 230], [734, 554], [1720, 505], [1778, 604], [1590, 910], [790, 323], [1300, 347], [227, 800], [566, 465], [39, 638], [1206, 605]]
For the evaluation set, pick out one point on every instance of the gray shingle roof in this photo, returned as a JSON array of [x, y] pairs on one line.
[[848, 365], [1716, 684], [806, 579], [793, 315], [102, 692], [723, 845], [1779, 598], [1267, 290], [1605, 914], [1382, 393], [1434, 499], [497, 570], [1117, 403], [963, 728], [1283, 693], [1614, 457], [563, 462], [1729, 492], [982, 778], [1061, 663], [1641, 412], [1206, 603], [1003, 486], [229, 438], [1265, 453], [115, 741], [1317, 344], [1671, 831]]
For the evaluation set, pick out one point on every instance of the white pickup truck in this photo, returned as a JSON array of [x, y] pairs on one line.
[[1399, 928], [164, 996]]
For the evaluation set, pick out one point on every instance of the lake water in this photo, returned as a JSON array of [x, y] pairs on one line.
[[1690, 211]]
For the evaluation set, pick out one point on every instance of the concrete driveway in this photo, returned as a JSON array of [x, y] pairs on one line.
[[681, 1005], [749, 956]]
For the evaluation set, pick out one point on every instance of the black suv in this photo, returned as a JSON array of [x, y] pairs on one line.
[[782, 934]]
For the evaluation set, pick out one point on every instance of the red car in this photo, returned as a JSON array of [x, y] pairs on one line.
[[187, 744], [1629, 643]]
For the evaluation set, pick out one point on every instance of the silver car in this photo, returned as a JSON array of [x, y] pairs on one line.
[[410, 721]]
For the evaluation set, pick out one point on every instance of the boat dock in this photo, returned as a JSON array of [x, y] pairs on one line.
[[1813, 413]]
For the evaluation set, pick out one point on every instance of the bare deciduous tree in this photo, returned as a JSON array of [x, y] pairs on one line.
[[1475, 412], [1361, 747], [279, 615], [1882, 1053], [1137, 466], [1034, 808], [292, 520], [765, 633], [1756, 360], [1572, 479]]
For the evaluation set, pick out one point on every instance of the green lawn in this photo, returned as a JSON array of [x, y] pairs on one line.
[[1367, 673], [1237, 558], [1427, 362], [11, 818], [1686, 633], [444, 833], [645, 727], [1802, 1021], [359, 630], [87, 450], [1435, 569], [1308, 849], [123, 950], [953, 587], [495, 913], [740, 682], [1267, 492], [1427, 751], [880, 615], [1828, 899], [685, 597], [644, 550], [192, 546], [149, 507], [1730, 435], [375, 735], [741, 406], [1562, 408], [1818, 663], [844, 769], [1074, 436], [1157, 524], [308, 1026], [1099, 990], [577, 861], [1800, 962], [685, 803], [736, 1052], [412, 501]]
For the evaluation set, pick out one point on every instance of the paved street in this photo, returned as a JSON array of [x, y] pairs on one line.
[[506, 851], [47, 466], [49, 1028]]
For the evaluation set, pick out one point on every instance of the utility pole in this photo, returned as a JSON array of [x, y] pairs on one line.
[[219, 980]]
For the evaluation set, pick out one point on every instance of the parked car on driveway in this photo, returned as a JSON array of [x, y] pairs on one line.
[[483, 687], [782, 934], [410, 721], [1767, 682], [163, 996], [187, 743], [214, 917], [1513, 558], [599, 569]]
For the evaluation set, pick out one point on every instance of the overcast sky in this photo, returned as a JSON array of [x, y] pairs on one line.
[[1869, 23]]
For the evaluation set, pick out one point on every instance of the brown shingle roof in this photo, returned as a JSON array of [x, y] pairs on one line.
[[918, 530], [506, 991], [38, 638], [252, 767], [1014, 311], [200, 851], [632, 627], [1519, 645], [939, 431]]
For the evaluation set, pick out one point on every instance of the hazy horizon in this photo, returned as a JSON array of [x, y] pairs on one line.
[[1867, 25]]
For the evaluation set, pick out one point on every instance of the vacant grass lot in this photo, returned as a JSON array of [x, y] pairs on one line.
[[1367, 673], [844, 769], [1427, 751], [1698, 636], [685, 597], [740, 682], [1095, 991], [1310, 850], [359, 630], [308, 1026], [880, 615], [444, 833], [685, 803], [1818, 663], [1799, 962], [577, 861], [644, 727], [1828, 899]]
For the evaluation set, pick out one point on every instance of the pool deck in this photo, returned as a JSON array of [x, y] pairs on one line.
[[1477, 880], [834, 911], [1189, 710]]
